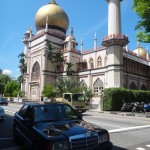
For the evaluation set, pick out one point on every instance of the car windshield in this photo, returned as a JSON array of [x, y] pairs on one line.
[[78, 97], [54, 113]]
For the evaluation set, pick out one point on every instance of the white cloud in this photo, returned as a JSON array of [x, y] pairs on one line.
[[7, 72]]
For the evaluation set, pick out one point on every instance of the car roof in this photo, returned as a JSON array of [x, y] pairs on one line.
[[43, 103]]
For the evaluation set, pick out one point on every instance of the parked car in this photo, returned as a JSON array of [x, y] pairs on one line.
[[57, 126], [3, 101], [2, 113]]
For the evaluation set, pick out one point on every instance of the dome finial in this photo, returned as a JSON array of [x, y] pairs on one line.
[[71, 31], [138, 44], [53, 2]]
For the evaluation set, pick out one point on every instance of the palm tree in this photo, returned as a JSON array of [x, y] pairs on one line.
[[57, 58], [69, 70], [22, 66], [49, 51]]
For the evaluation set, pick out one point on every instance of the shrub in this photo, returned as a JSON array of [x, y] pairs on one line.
[[113, 97]]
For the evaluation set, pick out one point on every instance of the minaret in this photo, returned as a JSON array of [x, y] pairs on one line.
[[81, 45], [114, 42], [95, 41]]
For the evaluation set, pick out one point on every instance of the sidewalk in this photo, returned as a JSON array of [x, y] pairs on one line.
[[135, 114]]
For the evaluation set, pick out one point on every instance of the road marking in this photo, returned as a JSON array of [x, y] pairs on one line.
[[105, 124], [139, 148], [10, 111], [129, 128], [147, 145]]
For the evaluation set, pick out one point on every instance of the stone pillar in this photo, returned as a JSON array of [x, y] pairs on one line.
[[100, 106]]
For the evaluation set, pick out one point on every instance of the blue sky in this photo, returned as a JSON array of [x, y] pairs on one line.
[[85, 16]]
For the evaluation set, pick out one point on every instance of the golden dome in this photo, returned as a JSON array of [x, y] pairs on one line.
[[56, 16], [140, 51]]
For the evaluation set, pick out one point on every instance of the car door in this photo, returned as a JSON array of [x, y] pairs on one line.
[[24, 123]]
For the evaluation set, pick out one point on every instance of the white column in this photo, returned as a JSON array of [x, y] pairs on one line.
[[114, 19]]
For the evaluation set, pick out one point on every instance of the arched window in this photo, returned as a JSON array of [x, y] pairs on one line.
[[83, 83], [98, 85], [99, 62], [91, 63], [133, 86], [36, 70]]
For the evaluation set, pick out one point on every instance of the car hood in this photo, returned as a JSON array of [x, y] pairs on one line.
[[66, 128]]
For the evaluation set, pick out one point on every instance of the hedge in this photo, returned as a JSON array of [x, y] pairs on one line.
[[113, 97]]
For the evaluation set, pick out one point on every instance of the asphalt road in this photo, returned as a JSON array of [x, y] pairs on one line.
[[126, 132]]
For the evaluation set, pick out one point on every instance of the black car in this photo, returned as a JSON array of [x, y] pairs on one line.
[[57, 126], [3, 101]]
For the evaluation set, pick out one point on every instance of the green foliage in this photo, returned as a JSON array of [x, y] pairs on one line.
[[114, 97], [49, 91], [142, 8], [64, 85], [89, 93], [23, 65], [11, 89], [77, 89], [69, 68], [4, 79]]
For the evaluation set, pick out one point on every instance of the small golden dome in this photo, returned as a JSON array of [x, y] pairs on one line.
[[56, 16], [140, 51], [70, 37]]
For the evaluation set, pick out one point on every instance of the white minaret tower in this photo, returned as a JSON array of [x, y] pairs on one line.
[[114, 42]]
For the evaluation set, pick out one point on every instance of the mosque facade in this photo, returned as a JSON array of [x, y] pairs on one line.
[[111, 64]]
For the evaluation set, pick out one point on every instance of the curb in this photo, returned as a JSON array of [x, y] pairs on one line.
[[142, 115]]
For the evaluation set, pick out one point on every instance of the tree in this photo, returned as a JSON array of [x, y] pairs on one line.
[[142, 8], [49, 51], [56, 57], [69, 68], [11, 89], [89, 93], [64, 85], [49, 91], [4, 79], [23, 65]]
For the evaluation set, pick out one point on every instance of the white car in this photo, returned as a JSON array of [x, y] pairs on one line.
[[2, 113]]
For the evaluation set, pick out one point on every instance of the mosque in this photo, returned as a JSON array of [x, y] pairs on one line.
[[111, 64]]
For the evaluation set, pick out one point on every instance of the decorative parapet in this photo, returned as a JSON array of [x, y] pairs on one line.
[[92, 50], [115, 39], [72, 50], [53, 33]]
